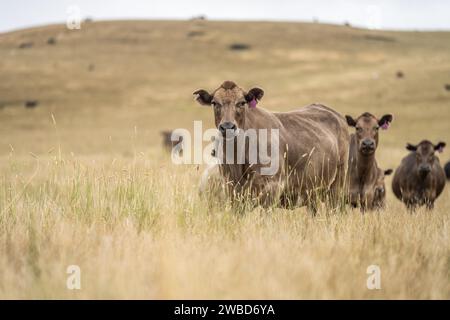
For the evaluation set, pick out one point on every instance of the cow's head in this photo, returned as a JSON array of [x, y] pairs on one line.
[[230, 104], [380, 187], [367, 126], [425, 157]]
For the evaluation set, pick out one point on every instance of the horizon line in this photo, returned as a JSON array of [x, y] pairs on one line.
[[312, 21]]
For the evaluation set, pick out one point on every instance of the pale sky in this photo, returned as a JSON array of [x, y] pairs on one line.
[[376, 14]]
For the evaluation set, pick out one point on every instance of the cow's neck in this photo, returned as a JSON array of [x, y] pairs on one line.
[[366, 166], [423, 182], [233, 171]]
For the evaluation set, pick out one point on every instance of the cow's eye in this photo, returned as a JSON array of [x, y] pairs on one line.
[[215, 104], [240, 104], [358, 129], [376, 128]]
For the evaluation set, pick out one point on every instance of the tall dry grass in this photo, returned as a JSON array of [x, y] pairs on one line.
[[140, 230]]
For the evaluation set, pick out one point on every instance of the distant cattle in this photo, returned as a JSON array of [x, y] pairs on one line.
[[375, 37], [400, 74], [199, 17], [419, 179], [239, 46], [362, 166], [447, 87], [447, 170], [31, 104], [51, 41], [379, 197], [310, 155], [195, 33], [168, 144], [26, 45]]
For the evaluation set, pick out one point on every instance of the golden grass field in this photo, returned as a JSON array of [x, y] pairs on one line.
[[85, 181]]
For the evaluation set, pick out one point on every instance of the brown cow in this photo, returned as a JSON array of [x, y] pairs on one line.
[[312, 148], [419, 179], [362, 166], [379, 197]]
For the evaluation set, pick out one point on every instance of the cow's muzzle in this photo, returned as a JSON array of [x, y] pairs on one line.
[[228, 129], [367, 146], [424, 170]]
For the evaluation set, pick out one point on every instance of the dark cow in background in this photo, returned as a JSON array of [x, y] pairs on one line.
[[419, 179], [363, 171], [447, 170], [379, 197]]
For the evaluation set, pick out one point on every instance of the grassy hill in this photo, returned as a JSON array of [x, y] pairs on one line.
[[85, 181], [143, 71]]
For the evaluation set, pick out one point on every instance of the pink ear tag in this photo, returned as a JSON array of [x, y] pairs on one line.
[[252, 104], [385, 125]]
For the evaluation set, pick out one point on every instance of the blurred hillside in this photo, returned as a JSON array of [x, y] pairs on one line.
[[112, 86]]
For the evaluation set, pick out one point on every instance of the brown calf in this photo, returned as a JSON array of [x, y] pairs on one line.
[[419, 179], [362, 166], [313, 147]]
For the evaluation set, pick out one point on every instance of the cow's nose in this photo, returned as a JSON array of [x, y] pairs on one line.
[[424, 169], [223, 127], [367, 143]]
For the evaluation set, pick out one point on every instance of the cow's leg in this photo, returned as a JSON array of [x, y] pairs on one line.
[[354, 198], [337, 197], [363, 203], [339, 189], [312, 206], [367, 200], [267, 190], [430, 197], [288, 200], [312, 199], [430, 204], [410, 205]]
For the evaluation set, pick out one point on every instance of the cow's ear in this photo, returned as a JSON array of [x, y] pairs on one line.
[[203, 97], [388, 172], [254, 94], [411, 147], [385, 121], [440, 147], [350, 121]]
